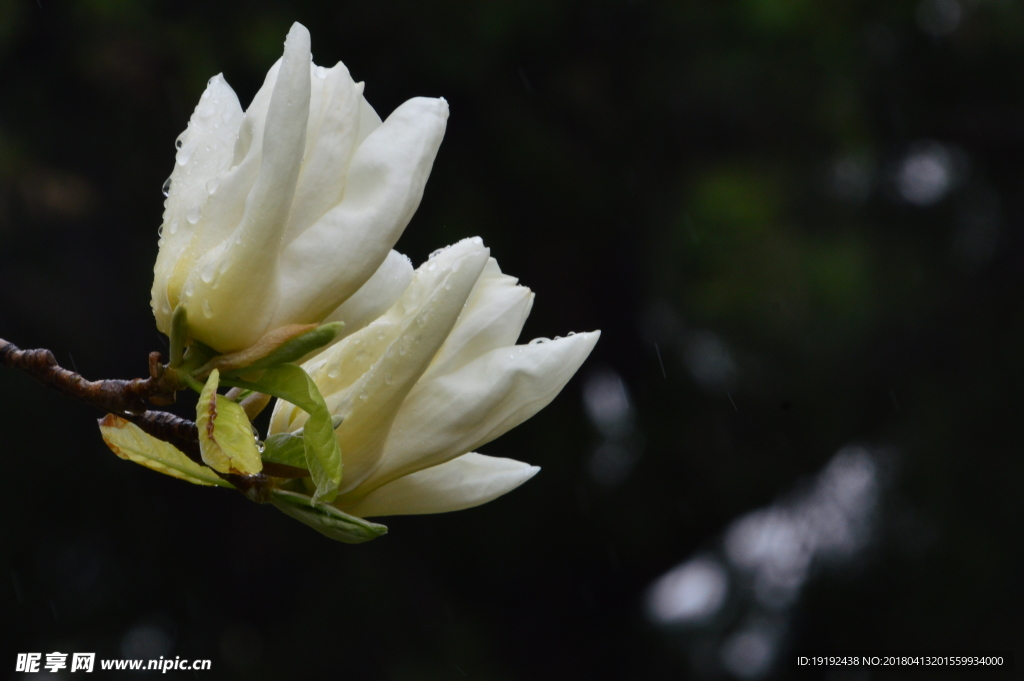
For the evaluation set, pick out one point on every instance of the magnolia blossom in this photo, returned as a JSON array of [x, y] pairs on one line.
[[279, 214], [434, 377], [283, 217]]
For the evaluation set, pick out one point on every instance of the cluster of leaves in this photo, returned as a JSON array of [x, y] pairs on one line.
[[227, 437]]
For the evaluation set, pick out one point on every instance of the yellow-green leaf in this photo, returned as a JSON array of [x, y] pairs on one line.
[[285, 344], [130, 442], [225, 433]]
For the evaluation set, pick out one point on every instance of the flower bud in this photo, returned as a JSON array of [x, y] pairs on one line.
[[278, 215], [432, 379]]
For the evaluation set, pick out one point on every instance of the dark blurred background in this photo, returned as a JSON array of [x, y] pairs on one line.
[[797, 224]]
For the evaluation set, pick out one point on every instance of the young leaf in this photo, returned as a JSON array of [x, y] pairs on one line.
[[286, 448], [179, 334], [326, 519], [296, 348], [225, 433], [289, 448], [130, 442], [282, 345], [322, 453]]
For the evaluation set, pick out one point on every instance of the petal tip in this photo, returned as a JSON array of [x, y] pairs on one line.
[[297, 43], [434, 106]]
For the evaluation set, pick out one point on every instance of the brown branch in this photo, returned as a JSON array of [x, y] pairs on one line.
[[184, 435], [175, 430], [128, 400], [113, 395]]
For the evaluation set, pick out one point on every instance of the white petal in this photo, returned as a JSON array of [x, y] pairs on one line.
[[493, 318], [235, 286], [375, 296], [224, 210], [460, 411], [328, 262], [470, 480], [336, 103], [207, 145]]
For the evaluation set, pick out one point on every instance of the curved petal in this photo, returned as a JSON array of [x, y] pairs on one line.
[[207, 148], [470, 480], [467, 408], [331, 259], [225, 208], [375, 296], [493, 318], [336, 104], [237, 282]]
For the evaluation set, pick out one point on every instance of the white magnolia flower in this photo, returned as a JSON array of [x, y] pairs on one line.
[[278, 215], [437, 375]]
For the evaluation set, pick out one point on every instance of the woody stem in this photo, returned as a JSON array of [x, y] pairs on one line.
[[128, 399]]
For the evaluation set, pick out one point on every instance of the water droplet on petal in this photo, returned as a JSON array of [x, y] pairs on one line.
[[173, 227], [333, 372], [184, 154], [538, 341], [207, 273], [389, 379], [212, 185], [190, 288], [194, 213], [167, 187], [207, 312], [364, 395]]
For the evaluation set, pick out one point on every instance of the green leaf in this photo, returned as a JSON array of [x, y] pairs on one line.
[[289, 448], [326, 519], [286, 448], [322, 453], [130, 442], [196, 356], [225, 433], [179, 333], [294, 349]]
